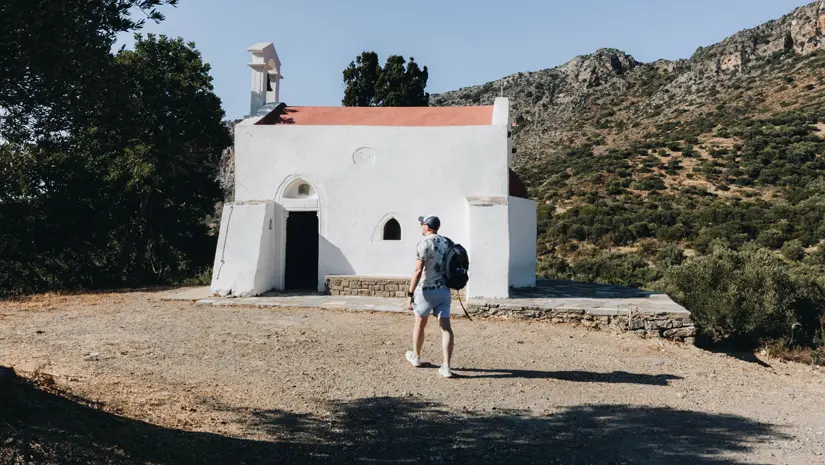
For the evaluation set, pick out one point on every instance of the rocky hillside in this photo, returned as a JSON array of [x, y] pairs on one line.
[[608, 98], [639, 166]]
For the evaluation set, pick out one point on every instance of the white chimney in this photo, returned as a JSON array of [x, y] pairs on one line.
[[266, 76]]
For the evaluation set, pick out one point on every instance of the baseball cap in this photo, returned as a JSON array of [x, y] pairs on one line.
[[432, 221]]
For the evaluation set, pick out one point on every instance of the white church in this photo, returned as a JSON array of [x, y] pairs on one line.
[[337, 191]]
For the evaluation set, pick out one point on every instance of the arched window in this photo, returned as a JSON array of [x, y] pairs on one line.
[[392, 230], [299, 189]]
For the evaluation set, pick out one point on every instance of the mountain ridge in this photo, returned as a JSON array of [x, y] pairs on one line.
[[637, 167], [557, 91]]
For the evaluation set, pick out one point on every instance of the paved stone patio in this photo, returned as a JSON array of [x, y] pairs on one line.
[[596, 306]]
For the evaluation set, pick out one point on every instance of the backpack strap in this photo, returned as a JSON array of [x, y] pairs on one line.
[[445, 260]]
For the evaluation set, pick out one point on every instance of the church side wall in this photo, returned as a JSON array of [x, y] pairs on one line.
[[488, 247], [365, 175], [243, 261], [522, 219], [265, 276]]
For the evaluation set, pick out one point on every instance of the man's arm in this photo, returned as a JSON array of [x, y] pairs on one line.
[[416, 276]]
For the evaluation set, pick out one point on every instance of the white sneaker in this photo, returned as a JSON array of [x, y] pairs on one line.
[[445, 372], [413, 359]]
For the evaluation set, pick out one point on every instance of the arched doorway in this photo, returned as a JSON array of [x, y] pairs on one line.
[[301, 236]]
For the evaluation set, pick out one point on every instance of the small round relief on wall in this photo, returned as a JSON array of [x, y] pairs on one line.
[[364, 156]]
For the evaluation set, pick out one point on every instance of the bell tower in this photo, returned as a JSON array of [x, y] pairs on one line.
[[266, 76]]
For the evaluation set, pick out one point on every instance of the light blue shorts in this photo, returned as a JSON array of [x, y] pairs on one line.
[[436, 301]]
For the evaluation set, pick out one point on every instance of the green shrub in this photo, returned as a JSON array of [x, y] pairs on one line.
[[614, 268], [552, 267], [641, 230], [672, 233], [669, 255], [748, 295], [723, 133], [793, 250], [614, 188], [203, 278], [771, 238], [674, 146], [649, 183]]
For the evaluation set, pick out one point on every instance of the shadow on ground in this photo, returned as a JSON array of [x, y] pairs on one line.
[[39, 426], [620, 377], [740, 349], [551, 288]]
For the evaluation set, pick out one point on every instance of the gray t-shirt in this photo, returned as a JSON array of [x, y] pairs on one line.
[[432, 250]]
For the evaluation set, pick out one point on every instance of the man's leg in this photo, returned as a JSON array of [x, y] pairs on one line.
[[418, 333], [447, 339]]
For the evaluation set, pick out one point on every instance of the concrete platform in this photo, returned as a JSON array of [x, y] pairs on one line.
[[593, 299], [328, 302], [592, 305]]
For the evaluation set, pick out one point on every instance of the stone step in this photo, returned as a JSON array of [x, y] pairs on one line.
[[371, 286]]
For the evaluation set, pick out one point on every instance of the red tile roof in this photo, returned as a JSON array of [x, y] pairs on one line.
[[381, 116]]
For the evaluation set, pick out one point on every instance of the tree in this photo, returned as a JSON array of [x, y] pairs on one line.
[[123, 200], [171, 139], [52, 53], [397, 84], [361, 77]]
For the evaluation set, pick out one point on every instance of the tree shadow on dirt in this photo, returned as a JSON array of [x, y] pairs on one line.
[[619, 377], [39, 426]]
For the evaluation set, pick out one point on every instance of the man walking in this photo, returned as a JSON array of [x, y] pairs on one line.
[[429, 293]]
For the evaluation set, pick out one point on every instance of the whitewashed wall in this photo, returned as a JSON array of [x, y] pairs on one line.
[[522, 220], [489, 248], [244, 258], [403, 172]]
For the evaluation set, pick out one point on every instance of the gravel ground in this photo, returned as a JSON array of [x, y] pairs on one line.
[[168, 382]]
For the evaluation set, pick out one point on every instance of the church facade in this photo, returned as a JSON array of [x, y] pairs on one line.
[[330, 191]]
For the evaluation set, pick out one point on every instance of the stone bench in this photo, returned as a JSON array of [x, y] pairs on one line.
[[371, 286]]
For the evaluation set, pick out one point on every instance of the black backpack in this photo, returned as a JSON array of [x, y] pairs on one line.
[[457, 265]]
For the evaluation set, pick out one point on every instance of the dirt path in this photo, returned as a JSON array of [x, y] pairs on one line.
[[180, 384]]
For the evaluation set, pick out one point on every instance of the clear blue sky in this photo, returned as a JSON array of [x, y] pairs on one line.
[[463, 42]]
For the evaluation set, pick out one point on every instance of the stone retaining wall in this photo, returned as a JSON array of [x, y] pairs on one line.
[[370, 286], [676, 326]]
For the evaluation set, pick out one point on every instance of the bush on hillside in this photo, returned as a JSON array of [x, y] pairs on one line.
[[552, 266], [669, 255], [771, 238], [749, 296], [612, 268], [793, 250]]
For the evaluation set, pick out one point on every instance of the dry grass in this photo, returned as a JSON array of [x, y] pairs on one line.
[[820, 131]]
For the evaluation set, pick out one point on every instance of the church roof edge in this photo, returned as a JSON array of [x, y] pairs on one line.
[[381, 116]]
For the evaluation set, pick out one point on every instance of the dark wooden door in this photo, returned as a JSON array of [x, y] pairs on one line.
[[302, 251]]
